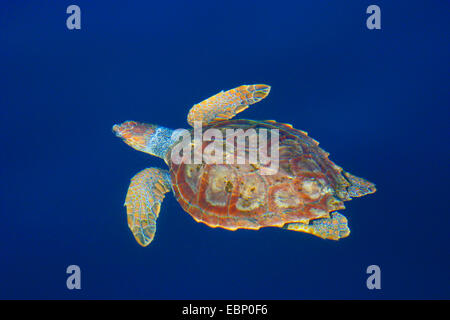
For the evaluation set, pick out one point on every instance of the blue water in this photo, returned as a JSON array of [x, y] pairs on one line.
[[377, 100]]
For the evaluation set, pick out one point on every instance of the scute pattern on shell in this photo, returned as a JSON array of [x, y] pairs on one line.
[[307, 185]]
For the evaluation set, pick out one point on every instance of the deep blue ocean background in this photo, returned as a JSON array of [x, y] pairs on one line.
[[377, 100]]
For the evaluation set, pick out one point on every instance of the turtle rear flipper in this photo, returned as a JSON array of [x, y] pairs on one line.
[[358, 186], [143, 201], [226, 104], [333, 228]]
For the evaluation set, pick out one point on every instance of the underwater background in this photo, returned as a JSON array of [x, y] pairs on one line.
[[377, 100]]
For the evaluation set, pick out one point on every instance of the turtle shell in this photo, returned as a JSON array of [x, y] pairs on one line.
[[306, 186]]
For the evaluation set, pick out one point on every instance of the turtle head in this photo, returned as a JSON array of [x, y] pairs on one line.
[[135, 134], [144, 137]]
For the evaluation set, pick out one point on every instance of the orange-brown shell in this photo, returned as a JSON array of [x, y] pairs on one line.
[[307, 185]]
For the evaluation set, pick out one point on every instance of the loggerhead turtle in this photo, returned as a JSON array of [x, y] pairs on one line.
[[302, 195]]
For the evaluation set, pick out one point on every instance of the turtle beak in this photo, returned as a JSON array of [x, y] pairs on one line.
[[116, 130], [124, 130]]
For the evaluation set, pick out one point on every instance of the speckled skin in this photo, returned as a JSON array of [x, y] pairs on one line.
[[307, 186]]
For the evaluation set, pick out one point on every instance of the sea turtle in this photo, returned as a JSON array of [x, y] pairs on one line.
[[303, 194]]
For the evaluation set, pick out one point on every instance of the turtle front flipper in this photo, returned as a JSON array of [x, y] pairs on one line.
[[333, 228], [143, 201], [225, 105]]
